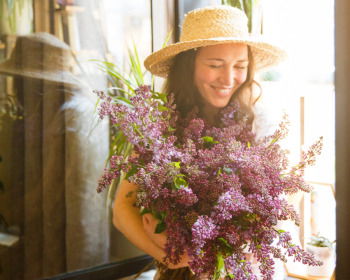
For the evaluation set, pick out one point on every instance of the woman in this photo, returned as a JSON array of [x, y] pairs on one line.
[[213, 63]]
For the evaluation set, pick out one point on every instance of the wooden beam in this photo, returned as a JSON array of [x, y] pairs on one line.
[[342, 90], [43, 16]]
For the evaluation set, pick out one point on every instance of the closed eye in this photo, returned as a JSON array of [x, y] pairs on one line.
[[214, 66], [241, 67]]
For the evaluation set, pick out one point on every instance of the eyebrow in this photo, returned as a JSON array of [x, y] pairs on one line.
[[223, 60]]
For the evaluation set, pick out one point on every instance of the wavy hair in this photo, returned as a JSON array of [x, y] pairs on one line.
[[180, 82]]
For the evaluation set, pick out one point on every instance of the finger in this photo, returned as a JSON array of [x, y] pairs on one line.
[[146, 218]]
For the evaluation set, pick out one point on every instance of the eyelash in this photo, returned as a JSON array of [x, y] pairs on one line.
[[237, 67]]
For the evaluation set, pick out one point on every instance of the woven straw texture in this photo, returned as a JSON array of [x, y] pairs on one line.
[[52, 59], [212, 26]]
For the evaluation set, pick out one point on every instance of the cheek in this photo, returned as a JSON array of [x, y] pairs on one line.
[[203, 76], [241, 77]]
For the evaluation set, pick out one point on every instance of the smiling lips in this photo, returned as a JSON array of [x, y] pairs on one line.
[[222, 91]]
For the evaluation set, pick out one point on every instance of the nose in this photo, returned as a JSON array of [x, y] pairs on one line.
[[227, 76]]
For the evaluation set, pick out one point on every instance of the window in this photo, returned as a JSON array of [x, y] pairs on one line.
[[303, 88]]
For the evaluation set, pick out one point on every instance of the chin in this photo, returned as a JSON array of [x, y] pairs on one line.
[[220, 105]]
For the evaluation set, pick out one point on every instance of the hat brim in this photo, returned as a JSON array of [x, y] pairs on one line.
[[64, 77], [265, 54]]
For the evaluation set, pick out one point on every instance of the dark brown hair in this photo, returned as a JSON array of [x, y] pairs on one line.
[[180, 82]]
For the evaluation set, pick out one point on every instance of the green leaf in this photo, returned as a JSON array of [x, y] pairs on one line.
[[115, 75], [119, 90], [167, 39], [225, 243], [131, 172], [161, 96], [145, 211], [135, 66], [159, 215], [176, 164], [248, 9], [208, 139], [234, 3], [179, 181], [220, 265], [163, 108], [161, 226], [123, 101]]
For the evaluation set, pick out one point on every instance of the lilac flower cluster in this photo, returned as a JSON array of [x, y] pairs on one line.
[[215, 190]]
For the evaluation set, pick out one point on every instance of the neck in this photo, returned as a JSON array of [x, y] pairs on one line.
[[210, 114]]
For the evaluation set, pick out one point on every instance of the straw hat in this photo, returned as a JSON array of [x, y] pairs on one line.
[[211, 26], [41, 56]]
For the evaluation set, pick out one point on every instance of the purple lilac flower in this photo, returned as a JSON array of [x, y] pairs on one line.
[[203, 230], [232, 187], [185, 196], [228, 204]]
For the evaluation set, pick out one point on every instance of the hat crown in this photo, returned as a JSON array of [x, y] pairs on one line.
[[45, 51], [41, 56], [214, 22]]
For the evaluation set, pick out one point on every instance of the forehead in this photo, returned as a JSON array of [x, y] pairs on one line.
[[230, 51]]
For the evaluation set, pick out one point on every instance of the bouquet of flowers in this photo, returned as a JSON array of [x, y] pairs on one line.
[[217, 191]]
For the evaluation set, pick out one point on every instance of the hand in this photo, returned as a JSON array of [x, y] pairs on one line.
[[185, 259], [149, 224]]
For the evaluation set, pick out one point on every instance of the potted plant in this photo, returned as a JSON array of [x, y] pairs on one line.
[[323, 250]]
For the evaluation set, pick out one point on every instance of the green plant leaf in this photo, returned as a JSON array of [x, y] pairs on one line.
[[220, 265], [167, 39], [161, 96], [248, 9], [225, 242], [115, 75], [135, 66], [179, 181], [123, 101], [208, 139], [131, 172], [161, 226], [163, 108], [145, 211], [159, 215], [176, 164]]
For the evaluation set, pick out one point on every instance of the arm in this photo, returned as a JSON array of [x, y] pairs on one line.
[[139, 230]]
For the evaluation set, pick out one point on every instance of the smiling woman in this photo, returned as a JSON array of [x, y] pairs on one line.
[[219, 71], [211, 68], [209, 77]]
